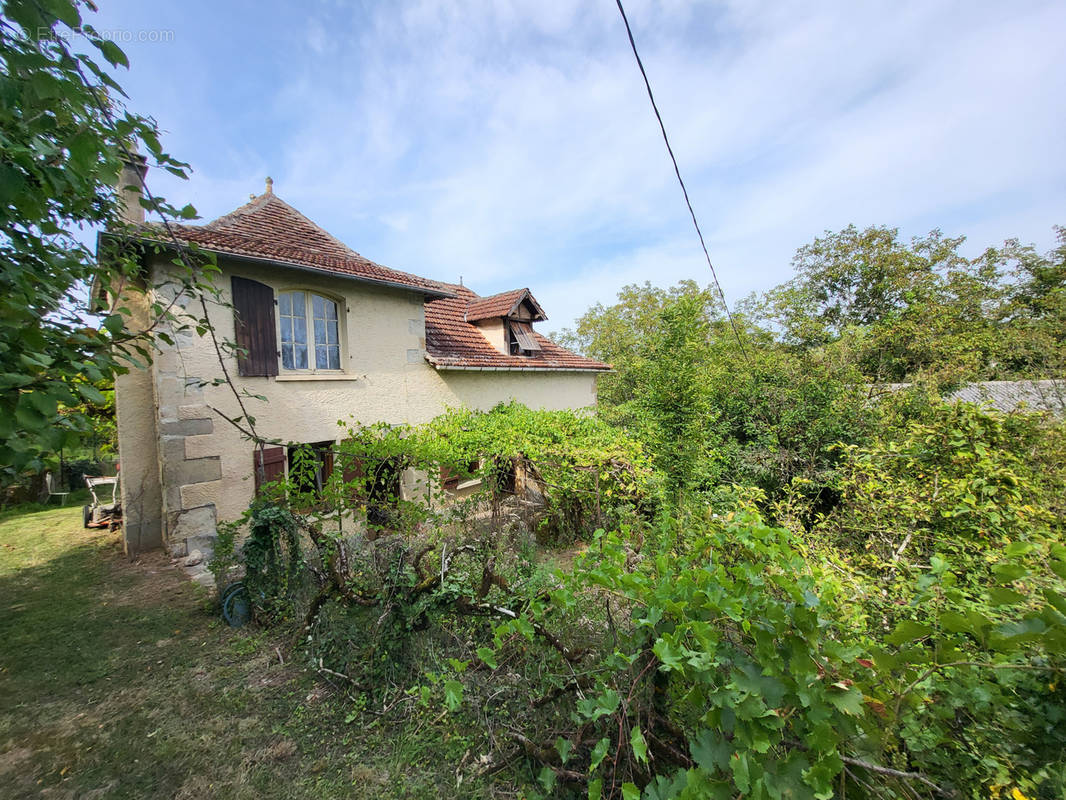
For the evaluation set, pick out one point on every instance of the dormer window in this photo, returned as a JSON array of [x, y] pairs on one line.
[[310, 335], [507, 320]]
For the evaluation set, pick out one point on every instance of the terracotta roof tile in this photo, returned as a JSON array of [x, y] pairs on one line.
[[451, 341], [501, 305], [270, 228]]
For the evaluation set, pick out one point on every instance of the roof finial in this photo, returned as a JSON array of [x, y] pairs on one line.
[[460, 280], [270, 185]]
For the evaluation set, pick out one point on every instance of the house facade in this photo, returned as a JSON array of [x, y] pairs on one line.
[[325, 335]]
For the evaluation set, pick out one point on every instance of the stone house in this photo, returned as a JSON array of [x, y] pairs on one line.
[[325, 335]]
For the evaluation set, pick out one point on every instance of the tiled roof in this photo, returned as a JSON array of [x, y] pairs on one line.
[[501, 305], [1016, 395], [1006, 396], [451, 341], [268, 227]]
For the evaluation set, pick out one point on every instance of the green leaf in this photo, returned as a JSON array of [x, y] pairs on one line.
[[1057, 600], [670, 654], [955, 622], [847, 699], [488, 656], [564, 747], [92, 394], [598, 752], [630, 791], [711, 751], [638, 743], [908, 631], [66, 12], [546, 778], [112, 52], [1017, 549], [114, 323], [1002, 596], [1007, 572], [599, 706], [595, 789], [453, 694], [741, 771]]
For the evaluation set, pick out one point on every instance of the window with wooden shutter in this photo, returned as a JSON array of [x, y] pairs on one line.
[[268, 465], [256, 336]]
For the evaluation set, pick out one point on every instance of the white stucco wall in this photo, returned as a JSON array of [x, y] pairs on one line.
[[206, 463], [494, 331]]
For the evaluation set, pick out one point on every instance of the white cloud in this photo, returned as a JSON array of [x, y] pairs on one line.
[[512, 142]]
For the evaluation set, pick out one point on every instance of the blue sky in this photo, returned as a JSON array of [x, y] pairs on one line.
[[512, 143]]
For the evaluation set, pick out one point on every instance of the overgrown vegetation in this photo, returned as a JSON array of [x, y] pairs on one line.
[[118, 680], [905, 639], [787, 581], [64, 135]]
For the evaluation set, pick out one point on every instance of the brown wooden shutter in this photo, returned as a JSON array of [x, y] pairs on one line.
[[268, 465], [449, 480], [523, 334], [253, 312]]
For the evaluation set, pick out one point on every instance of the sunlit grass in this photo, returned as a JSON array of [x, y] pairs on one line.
[[118, 681]]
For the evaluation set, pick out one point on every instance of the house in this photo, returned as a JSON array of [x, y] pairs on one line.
[[325, 335]]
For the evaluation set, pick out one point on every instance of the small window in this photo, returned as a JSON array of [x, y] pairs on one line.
[[311, 346]]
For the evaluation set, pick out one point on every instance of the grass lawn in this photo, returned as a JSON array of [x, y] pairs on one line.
[[118, 680]]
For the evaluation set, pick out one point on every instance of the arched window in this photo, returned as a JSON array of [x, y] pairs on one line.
[[310, 335]]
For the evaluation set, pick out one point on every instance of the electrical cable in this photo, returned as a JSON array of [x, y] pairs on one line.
[[680, 180]]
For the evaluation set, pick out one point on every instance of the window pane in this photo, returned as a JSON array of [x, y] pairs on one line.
[[286, 356], [300, 351], [300, 330], [299, 304], [286, 329], [320, 331], [331, 310], [321, 359], [318, 306], [331, 332], [334, 357], [285, 303]]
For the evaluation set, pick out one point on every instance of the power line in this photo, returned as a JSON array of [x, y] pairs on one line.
[[680, 180]]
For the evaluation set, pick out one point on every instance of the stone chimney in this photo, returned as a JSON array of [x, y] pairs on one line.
[[131, 188]]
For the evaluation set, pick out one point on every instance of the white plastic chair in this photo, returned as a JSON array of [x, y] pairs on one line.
[[50, 485]]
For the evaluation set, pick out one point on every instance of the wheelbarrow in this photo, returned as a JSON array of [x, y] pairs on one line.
[[105, 511]]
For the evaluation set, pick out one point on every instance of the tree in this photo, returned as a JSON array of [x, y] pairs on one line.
[[64, 135], [921, 310], [617, 333], [1034, 313], [672, 394]]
